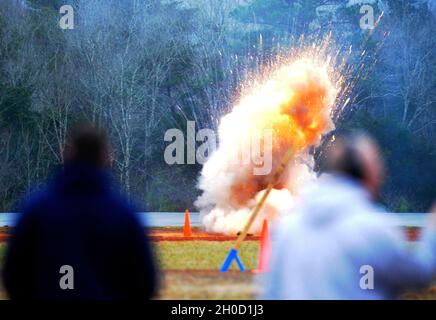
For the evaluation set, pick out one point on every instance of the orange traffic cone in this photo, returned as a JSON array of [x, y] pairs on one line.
[[187, 228], [265, 248]]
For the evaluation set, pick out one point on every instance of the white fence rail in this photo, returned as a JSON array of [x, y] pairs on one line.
[[151, 219], [176, 219]]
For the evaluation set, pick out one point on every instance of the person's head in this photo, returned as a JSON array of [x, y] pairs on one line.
[[357, 156], [87, 145]]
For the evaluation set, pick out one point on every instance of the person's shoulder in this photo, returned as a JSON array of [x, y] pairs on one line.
[[119, 201], [121, 208], [35, 200], [379, 225], [33, 207], [366, 214], [377, 219]]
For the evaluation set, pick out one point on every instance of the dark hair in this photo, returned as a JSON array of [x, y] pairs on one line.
[[347, 160], [88, 145]]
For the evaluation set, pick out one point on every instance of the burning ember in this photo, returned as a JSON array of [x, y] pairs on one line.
[[291, 109]]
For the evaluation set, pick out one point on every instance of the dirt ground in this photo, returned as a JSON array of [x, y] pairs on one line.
[[168, 234], [208, 284], [176, 234]]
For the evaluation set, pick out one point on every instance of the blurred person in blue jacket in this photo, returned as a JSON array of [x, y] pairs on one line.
[[337, 244], [80, 227]]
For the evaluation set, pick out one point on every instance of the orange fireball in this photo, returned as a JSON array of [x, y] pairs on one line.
[[295, 103]]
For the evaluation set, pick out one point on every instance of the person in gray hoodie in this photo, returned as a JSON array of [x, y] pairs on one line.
[[338, 244]]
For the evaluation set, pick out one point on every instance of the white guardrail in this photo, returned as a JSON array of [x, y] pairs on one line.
[[176, 219], [151, 219]]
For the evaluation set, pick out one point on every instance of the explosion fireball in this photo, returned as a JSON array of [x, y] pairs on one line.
[[294, 105]]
